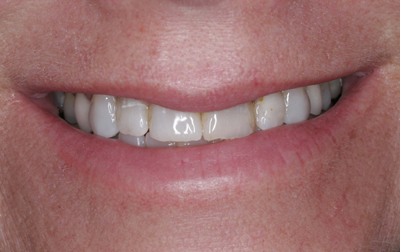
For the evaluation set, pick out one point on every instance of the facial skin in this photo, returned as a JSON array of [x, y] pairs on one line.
[[333, 187]]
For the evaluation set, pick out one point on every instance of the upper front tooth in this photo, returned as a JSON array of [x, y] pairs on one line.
[[102, 116], [335, 88], [69, 108], [297, 105], [132, 117], [315, 96], [229, 123], [82, 107], [270, 111], [326, 95], [171, 125]]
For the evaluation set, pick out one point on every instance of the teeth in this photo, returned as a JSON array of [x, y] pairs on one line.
[[229, 123], [144, 125], [132, 140], [132, 117], [270, 111], [315, 96], [335, 87], [171, 125], [69, 108], [152, 143], [102, 116], [297, 105], [326, 96], [82, 107]]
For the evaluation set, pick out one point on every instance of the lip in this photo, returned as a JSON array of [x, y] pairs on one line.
[[264, 156]]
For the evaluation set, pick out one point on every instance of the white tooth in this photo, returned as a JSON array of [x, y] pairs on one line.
[[102, 116], [270, 111], [132, 140], [82, 107], [335, 87], [132, 117], [326, 96], [152, 143], [69, 108], [230, 123], [297, 105], [315, 96], [171, 125], [192, 143]]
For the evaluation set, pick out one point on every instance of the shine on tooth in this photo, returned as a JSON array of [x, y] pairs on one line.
[[270, 111], [297, 105], [171, 125], [102, 115], [315, 96], [69, 108], [132, 117], [335, 87], [230, 123], [326, 96], [82, 107]]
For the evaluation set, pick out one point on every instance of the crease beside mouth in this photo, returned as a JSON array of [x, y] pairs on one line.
[[141, 124]]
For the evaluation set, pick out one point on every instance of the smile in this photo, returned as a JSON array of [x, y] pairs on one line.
[[147, 125]]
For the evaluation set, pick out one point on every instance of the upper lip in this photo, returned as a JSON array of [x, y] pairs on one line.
[[190, 65]]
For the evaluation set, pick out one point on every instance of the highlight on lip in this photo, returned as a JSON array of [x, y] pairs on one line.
[[148, 125]]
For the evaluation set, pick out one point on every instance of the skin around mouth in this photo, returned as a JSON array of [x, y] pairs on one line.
[[326, 184]]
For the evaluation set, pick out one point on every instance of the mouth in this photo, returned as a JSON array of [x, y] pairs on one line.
[[250, 142]]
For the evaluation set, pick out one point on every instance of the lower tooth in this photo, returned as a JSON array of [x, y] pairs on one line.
[[82, 107], [132, 140], [192, 143], [335, 87], [269, 111], [297, 105], [230, 123], [326, 96], [102, 116], [315, 96], [152, 143], [69, 108]]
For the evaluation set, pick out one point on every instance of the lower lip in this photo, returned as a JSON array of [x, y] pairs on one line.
[[266, 155]]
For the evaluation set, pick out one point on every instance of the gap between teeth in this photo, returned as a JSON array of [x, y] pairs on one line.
[[147, 125]]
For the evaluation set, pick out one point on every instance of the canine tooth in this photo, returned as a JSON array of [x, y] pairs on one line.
[[102, 116], [326, 95], [57, 99], [82, 107], [315, 96], [270, 111], [335, 88], [297, 105], [132, 117], [152, 143], [171, 125], [69, 108], [192, 143], [132, 140], [229, 123]]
